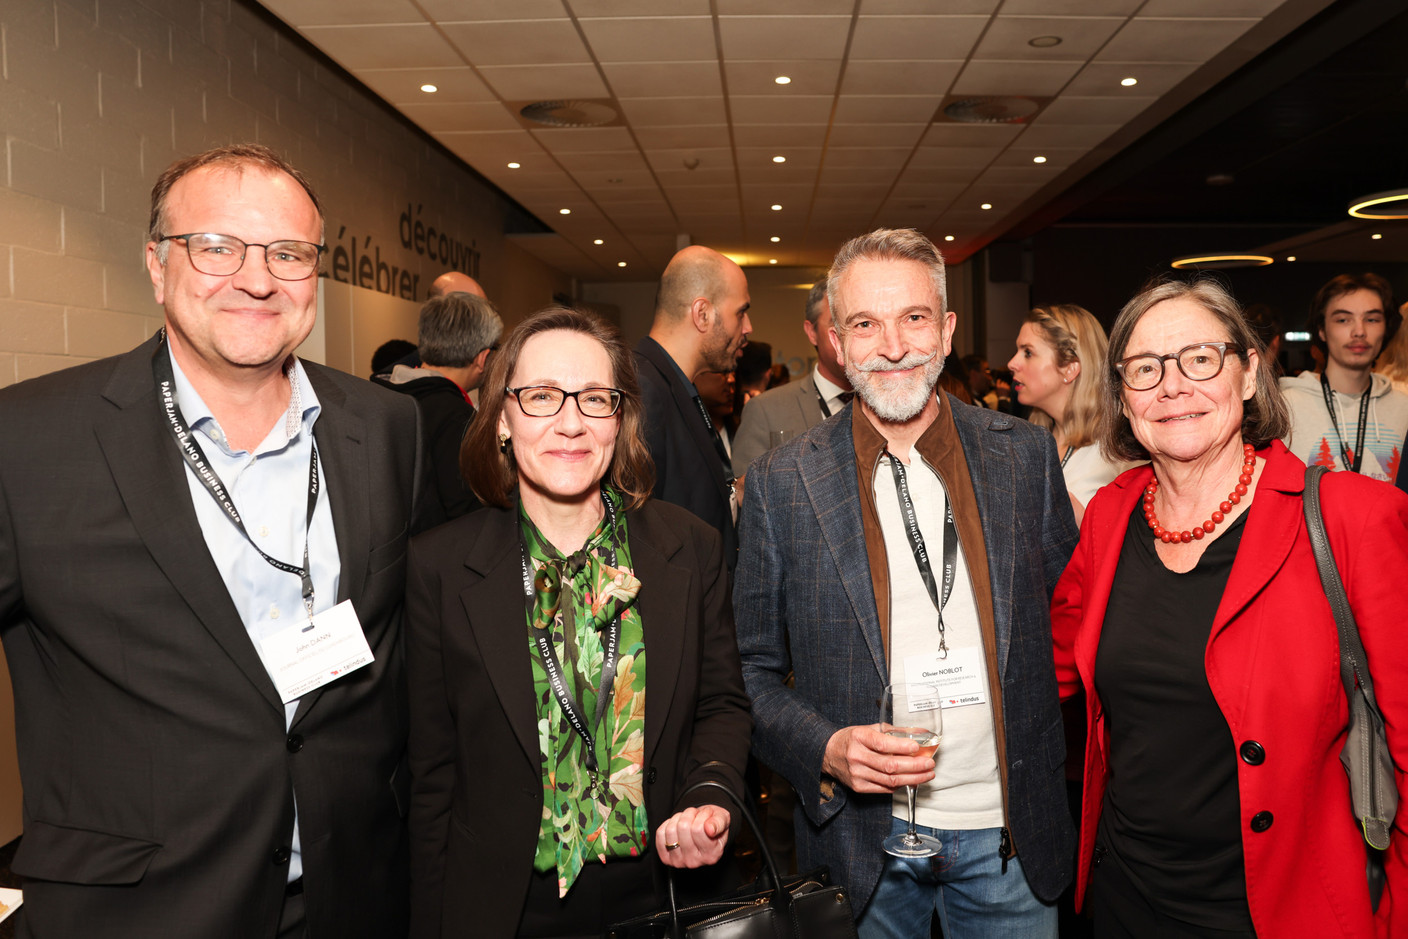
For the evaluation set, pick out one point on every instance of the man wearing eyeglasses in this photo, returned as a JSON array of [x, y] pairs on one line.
[[201, 567]]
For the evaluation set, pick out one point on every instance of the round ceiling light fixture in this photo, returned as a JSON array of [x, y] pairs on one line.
[[429, 89], [985, 206], [1381, 205], [783, 80], [774, 239], [779, 159], [620, 263], [1038, 159], [948, 237], [1220, 260], [514, 166], [1129, 82], [1376, 236], [1044, 42], [565, 113], [777, 207], [598, 241]]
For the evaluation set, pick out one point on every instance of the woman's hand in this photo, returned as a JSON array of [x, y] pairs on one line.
[[694, 837]]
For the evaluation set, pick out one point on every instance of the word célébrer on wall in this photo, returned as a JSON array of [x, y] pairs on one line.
[[362, 266]]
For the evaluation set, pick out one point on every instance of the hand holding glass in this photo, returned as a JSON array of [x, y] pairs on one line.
[[913, 712]]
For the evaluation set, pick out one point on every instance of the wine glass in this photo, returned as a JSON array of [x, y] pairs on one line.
[[913, 712]]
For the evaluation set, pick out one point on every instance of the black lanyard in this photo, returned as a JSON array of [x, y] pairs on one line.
[[1358, 453], [821, 403], [552, 665], [195, 459], [718, 443], [921, 554], [1067, 458]]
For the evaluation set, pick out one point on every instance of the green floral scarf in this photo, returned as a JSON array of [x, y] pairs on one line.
[[576, 599]]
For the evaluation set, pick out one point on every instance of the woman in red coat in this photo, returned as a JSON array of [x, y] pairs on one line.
[[1215, 802]]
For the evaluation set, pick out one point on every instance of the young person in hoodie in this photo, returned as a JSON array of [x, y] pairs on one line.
[[1349, 417]]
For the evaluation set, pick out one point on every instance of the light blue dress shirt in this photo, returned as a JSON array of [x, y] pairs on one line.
[[269, 487]]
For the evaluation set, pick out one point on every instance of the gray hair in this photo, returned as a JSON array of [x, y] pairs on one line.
[[456, 327], [886, 244], [814, 298], [1265, 416]]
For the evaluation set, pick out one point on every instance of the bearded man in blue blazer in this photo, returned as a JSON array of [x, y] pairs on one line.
[[839, 581]]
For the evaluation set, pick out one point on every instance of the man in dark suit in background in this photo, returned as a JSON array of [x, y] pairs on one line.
[[701, 323], [184, 530], [915, 538], [796, 405]]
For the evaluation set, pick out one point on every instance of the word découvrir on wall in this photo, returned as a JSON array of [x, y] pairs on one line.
[[362, 265]]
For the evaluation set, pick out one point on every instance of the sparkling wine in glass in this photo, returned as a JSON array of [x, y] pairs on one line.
[[913, 712]]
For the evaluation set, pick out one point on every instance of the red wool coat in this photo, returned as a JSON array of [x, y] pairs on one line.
[[1272, 661]]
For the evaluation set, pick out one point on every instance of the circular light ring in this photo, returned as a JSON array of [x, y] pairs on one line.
[[1220, 260], [1381, 205]]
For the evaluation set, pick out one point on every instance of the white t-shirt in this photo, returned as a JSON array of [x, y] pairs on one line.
[[1086, 471], [966, 793]]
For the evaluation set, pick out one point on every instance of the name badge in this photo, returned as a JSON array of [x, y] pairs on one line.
[[307, 656], [961, 678]]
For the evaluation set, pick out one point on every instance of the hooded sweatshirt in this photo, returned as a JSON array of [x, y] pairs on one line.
[[1313, 437]]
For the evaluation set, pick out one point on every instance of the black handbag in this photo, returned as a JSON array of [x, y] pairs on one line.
[[1373, 793], [808, 906]]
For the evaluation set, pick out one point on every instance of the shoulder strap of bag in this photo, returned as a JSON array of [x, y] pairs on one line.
[[1353, 661]]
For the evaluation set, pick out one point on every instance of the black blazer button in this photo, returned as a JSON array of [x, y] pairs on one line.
[[294, 743], [650, 776], [281, 855], [1261, 821]]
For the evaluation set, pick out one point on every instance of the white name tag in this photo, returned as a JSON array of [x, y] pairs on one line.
[[309, 655], [961, 678]]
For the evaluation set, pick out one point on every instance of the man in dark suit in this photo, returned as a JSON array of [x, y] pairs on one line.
[[797, 405], [915, 538], [183, 529], [701, 323]]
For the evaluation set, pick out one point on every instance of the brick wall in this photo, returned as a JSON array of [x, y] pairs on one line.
[[98, 96]]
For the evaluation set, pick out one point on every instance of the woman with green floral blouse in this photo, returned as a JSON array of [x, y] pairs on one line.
[[546, 790]]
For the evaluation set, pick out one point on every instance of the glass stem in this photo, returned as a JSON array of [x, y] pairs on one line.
[[912, 836]]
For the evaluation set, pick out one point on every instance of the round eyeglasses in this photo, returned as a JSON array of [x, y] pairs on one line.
[[223, 255], [1198, 362], [547, 400]]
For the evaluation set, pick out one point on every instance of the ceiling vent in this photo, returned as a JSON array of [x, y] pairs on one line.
[[989, 109], [570, 113]]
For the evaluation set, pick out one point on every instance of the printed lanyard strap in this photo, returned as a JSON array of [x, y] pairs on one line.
[[714, 435], [1358, 454], [542, 638], [921, 554], [195, 459]]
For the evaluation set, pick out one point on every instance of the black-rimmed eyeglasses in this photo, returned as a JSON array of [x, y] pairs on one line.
[[547, 400], [1198, 362], [223, 255]]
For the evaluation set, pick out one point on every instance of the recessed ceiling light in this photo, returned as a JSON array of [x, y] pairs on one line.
[[776, 207], [428, 88], [774, 239], [783, 80], [948, 237], [1290, 257], [620, 263], [1044, 42], [1038, 159], [779, 159], [772, 260], [514, 166], [985, 205], [598, 241], [1376, 236], [1129, 82], [564, 211]]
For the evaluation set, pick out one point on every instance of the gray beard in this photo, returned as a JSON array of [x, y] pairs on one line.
[[902, 400]]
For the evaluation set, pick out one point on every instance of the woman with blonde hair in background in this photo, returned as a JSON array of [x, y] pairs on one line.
[[1056, 373], [1393, 361]]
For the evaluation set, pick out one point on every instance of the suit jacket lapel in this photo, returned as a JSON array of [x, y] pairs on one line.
[[828, 474], [339, 435], [149, 474], [494, 610], [689, 414], [1273, 523], [661, 604], [992, 467]]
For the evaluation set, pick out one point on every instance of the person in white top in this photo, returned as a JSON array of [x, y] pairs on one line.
[[1047, 376]]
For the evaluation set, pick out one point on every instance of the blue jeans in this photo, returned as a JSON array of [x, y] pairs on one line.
[[965, 884]]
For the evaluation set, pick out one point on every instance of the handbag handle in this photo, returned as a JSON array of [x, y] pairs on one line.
[[1352, 657], [781, 901]]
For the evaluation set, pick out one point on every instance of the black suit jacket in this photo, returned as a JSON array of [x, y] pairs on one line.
[[477, 797], [159, 778], [688, 470]]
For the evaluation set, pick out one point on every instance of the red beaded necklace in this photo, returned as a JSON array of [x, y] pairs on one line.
[[1223, 510]]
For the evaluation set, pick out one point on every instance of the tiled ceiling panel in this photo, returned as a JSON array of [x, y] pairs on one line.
[[707, 94]]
